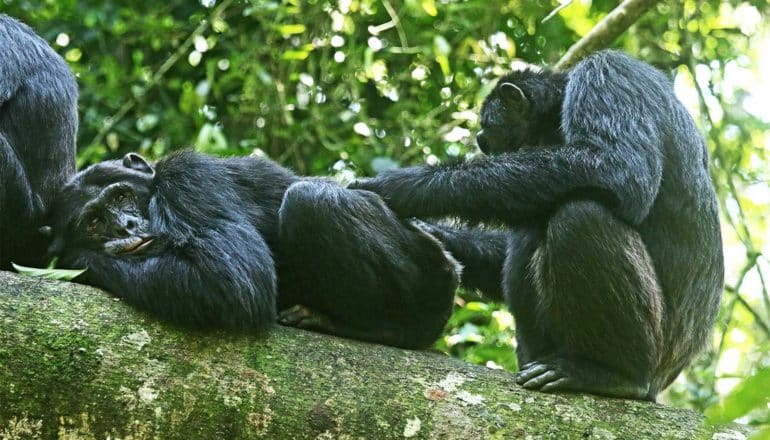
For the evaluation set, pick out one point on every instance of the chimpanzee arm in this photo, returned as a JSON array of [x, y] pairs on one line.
[[614, 120], [519, 187], [221, 277]]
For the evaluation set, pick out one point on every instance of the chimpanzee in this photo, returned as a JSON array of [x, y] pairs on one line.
[[38, 126], [612, 265], [197, 240]]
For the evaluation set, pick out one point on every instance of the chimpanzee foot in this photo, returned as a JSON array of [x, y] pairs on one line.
[[300, 316], [558, 374], [303, 317]]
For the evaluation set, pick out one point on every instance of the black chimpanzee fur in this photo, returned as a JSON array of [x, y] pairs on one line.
[[38, 125], [197, 240], [613, 264]]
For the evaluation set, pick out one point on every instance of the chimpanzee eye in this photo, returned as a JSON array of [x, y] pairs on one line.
[[123, 196], [93, 224]]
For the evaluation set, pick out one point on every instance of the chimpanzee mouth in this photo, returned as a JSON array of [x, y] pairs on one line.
[[136, 245]]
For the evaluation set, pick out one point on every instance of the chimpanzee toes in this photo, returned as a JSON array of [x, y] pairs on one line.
[[542, 376], [303, 317], [560, 374], [557, 385], [295, 315]]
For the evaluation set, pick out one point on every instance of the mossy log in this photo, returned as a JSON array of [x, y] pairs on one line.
[[76, 362]]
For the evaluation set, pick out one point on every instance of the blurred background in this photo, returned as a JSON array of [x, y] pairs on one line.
[[350, 88]]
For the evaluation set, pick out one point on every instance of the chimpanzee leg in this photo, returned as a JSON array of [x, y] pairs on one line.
[[532, 339], [599, 299], [16, 192], [356, 270]]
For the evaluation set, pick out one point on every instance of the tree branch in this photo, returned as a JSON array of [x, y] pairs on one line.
[[77, 363], [606, 31]]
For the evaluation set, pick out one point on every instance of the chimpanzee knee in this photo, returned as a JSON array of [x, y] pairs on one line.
[[309, 193], [304, 196], [345, 256], [313, 202], [580, 221]]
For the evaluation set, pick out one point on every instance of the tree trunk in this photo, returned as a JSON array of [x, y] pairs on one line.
[[77, 363]]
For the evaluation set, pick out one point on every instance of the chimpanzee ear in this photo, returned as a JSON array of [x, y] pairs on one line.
[[138, 163], [514, 96]]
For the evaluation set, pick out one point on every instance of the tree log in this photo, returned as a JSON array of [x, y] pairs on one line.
[[76, 362]]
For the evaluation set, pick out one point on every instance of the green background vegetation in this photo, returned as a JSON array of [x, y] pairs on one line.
[[353, 87]]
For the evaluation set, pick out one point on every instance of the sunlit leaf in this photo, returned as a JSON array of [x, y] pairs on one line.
[[294, 55], [291, 29], [752, 393], [430, 7], [477, 306], [764, 434]]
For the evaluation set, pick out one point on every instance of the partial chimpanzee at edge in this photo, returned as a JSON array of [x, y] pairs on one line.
[[197, 240], [38, 126], [613, 264]]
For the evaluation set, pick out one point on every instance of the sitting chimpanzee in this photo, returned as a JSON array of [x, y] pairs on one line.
[[613, 263], [38, 125], [197, 240]]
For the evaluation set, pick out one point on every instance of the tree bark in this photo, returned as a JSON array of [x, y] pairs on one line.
[[76, 362], [606, 31]]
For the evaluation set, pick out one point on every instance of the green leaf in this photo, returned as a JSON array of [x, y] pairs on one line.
[[441, 50], [752, 393], [50, 274], [291, 29], [430, 7], [294, 55]]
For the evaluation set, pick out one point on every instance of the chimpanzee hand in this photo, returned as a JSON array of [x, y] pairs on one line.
[[397, 188]]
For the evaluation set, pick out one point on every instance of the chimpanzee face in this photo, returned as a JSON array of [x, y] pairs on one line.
[[104, 207], [114, 220], [505, 122]]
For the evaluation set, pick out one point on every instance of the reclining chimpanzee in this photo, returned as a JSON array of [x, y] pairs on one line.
[[197, 240]]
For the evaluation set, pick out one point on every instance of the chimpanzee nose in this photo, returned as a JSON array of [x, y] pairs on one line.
[[126, 226]]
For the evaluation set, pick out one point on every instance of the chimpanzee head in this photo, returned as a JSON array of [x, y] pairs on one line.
[[523, 110], [105, 208]]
